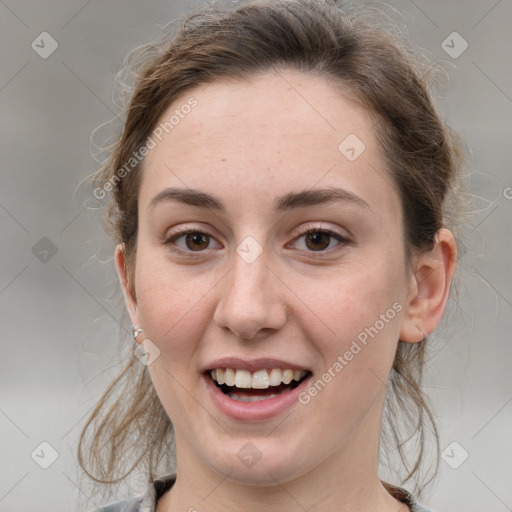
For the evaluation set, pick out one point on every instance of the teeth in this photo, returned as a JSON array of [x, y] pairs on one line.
[[287, 376], [220, 376], [243, 379], [240, 398], [229, 377], [275, 377], [261, 379]]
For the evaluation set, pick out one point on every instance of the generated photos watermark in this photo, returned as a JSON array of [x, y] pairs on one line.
[[344, 359], [137, 156]]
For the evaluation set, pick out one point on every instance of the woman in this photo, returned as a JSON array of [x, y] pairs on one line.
[[278, 196]]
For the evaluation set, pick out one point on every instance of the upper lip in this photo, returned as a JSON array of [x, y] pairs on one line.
[[253, 365]]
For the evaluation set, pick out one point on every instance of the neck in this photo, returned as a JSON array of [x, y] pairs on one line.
[[346, 481], [226, 495]]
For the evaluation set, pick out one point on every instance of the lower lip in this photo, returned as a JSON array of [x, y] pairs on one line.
[[253, 411]]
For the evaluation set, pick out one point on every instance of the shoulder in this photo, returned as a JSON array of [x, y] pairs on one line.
[[145, 503], [406, 497], [420, 508], [131, 505], [413, 505]]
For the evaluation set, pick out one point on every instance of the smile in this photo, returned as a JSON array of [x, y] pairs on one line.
[[246, 386], [253, 391]]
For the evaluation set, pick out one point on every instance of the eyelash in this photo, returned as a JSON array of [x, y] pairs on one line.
[[314, 254]]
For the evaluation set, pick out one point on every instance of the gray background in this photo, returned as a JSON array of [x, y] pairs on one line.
[[59, 322]]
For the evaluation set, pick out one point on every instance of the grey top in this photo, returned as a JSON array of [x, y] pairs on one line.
[[155, 490]]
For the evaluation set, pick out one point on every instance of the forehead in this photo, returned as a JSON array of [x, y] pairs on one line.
[[275, 133]]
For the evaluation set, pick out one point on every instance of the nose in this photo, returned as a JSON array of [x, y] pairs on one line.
[[252, 300]]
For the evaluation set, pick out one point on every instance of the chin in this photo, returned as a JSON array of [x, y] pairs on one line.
[[257, 463]]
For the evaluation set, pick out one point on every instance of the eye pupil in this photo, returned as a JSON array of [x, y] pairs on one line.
[[317, 238], [200, 239]]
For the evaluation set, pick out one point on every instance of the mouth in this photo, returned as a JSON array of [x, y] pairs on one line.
[[256, 386]]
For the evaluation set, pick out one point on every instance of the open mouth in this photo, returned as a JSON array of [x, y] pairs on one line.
[[246, 386]]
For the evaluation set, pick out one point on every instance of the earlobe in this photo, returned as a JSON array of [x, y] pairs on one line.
[[129, 293], [430, 286]]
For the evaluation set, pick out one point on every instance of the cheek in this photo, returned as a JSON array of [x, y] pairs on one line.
[[171, 305], [355, 298], [356, 330], [174, 314]]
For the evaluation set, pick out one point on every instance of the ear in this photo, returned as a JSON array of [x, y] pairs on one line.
[[129, 293], [429, 287]]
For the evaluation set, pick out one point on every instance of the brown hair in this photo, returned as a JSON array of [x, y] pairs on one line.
[[129, 427]]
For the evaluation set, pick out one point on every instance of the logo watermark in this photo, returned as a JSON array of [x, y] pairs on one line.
[[139, 155], [356, 347]]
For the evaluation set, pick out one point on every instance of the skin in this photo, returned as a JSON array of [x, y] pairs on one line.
[[248, 142]]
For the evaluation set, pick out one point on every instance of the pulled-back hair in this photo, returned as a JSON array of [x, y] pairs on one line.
[[129, 428]]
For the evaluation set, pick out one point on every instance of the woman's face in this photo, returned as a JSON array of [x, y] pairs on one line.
[[252, 293]]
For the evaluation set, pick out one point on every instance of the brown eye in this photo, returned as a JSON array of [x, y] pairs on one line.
[[318, 240], [189, 241], [197, 241]]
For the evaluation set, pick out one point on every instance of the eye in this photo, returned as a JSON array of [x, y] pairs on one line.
[[320, 240], [313, 240], [194, 240]]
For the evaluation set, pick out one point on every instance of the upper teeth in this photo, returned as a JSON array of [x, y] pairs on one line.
[[261, 379]]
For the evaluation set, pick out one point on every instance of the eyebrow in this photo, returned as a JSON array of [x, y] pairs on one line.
[[292, 200]]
